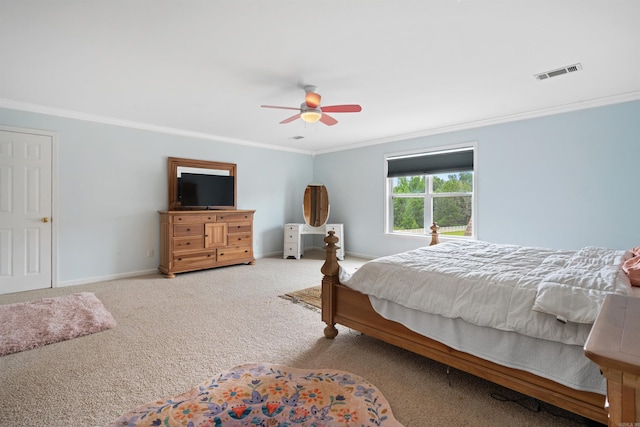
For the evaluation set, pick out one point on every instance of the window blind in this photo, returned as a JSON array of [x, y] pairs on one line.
[[430, 163]]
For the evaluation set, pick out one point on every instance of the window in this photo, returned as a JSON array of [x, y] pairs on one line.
[[431, 186]]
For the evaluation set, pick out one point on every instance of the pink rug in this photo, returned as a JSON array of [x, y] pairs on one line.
[[27, 325]]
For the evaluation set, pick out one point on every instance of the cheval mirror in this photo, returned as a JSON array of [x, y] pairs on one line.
[[316, 205]]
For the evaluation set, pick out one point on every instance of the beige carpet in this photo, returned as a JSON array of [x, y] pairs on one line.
[[173, 334], [32, 324]]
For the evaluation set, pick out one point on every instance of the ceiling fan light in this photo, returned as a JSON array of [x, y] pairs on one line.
[[311, 116]]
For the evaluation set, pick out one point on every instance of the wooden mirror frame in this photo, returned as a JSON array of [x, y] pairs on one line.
[[175, 162]]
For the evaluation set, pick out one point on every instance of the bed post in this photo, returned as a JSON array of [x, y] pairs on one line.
[[434, 234], [331, 270]]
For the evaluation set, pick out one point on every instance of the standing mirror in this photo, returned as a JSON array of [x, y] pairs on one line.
[[316, 205]]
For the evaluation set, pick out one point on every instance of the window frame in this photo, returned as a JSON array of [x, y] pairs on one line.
[[428, 195]]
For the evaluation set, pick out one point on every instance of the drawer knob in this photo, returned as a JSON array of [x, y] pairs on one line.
[[188, 229], [188, 243]]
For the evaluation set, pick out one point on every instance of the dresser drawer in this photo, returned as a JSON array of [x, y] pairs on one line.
[[188, 230], [191, 219], [291, 237], [235, 217], [239, 227], [188, 243], [291, 250], [239, 239], [291, 228], [197, 260], [235, 253]]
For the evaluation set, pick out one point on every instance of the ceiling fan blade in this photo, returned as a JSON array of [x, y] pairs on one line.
[[328, 120], [348, 108], [282, 108], [312, 99], [290, 119]]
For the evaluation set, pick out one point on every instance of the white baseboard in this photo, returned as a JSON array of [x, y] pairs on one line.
[[88, 280]]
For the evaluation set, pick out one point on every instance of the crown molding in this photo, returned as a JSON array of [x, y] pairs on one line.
[[582, 105], [70, 114]]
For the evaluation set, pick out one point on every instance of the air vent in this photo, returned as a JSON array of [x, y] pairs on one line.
[[558, 72], [296, 137]]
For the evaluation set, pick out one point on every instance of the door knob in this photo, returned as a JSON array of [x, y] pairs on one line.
[[45, 219]]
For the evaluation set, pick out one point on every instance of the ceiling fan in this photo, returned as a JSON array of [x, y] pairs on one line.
[[310, 110]]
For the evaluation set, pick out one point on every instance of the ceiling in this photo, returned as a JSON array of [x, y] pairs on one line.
[[204, 67]]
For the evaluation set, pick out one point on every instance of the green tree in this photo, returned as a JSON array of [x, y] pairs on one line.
[[415, 184], [452, 211], [455, 183], [408, 212]]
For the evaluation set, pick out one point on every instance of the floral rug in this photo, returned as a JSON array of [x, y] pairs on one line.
[[270, 395]]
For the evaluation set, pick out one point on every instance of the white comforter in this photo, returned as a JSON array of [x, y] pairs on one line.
[[542, 293]]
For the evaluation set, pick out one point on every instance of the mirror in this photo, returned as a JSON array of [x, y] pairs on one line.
[[316, 204], [177, 166]]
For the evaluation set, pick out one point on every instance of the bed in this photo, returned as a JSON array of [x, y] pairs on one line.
[[538, 352]]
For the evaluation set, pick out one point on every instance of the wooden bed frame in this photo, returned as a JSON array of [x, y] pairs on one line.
[[344, 306]]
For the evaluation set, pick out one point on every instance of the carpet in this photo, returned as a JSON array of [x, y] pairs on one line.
[[27, 325], [270, 395], [309, 296]]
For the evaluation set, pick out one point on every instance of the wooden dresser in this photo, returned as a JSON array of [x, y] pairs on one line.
[[196, 240], [614, 344]]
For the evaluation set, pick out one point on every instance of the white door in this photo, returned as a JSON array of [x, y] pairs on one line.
[[25, 211]]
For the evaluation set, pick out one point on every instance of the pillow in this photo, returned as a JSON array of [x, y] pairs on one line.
[[632, 267]]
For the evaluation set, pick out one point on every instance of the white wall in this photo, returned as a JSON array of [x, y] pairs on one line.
[[112, 181], [562, 181]]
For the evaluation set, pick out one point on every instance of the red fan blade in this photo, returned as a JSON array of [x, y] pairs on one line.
[[312, 99], [328, 120], [349, 108], [290, 119], [282, 108]]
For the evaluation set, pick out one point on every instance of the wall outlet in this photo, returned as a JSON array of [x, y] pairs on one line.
[[150, 253]]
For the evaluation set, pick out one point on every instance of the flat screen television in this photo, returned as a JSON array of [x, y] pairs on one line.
[[206, 191]]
